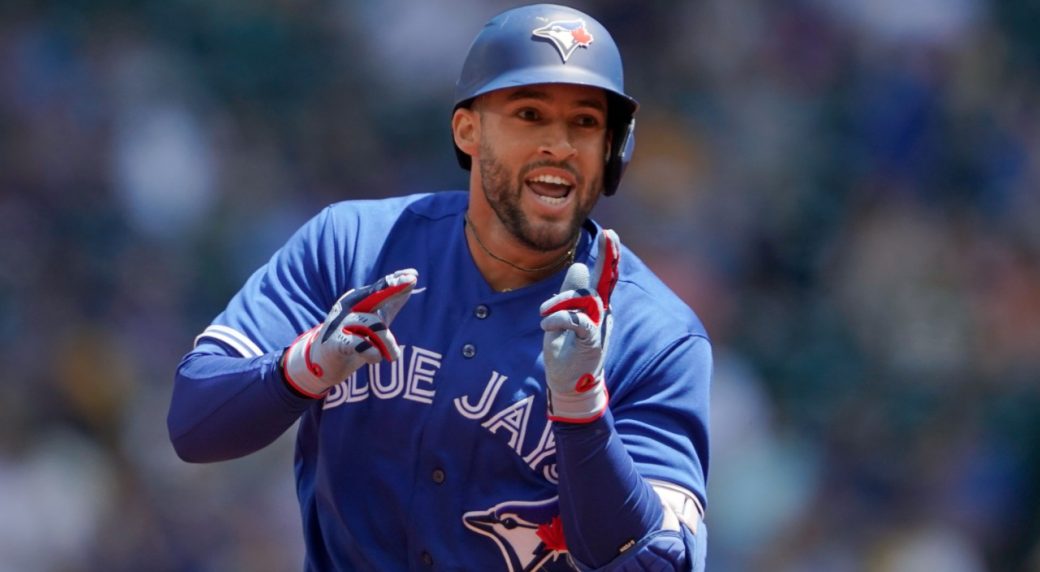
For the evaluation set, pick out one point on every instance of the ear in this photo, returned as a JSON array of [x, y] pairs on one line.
[[465, 127]]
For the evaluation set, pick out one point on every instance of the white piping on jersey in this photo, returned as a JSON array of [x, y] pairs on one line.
[[232, 337], [680, 506]]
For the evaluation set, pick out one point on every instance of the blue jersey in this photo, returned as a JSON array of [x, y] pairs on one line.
[[446, 456]]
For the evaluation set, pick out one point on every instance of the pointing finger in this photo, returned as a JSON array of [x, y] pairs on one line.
[[577, 278]]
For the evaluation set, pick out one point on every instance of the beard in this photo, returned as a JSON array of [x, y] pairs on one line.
[[504, 191]]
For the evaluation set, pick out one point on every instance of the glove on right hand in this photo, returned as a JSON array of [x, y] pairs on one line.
[[577, 324], [355, 333]]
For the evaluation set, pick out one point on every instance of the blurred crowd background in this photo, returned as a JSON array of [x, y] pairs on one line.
[[846, 191]]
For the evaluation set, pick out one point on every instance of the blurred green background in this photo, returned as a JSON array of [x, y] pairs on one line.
[[846, 191]]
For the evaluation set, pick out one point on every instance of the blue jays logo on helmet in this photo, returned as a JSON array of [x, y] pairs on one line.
[[566, 35], [528, 534]]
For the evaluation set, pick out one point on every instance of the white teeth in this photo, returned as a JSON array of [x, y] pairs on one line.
[[551, 200], [551, 179]]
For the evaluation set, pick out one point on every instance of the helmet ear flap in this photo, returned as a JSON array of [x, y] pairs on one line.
[[621, 147]]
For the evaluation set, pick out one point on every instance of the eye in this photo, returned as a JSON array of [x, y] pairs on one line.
[[528, 114], [587, 120], [509, 522]]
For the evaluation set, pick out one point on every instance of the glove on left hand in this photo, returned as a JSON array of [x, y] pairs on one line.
[[577, 324], [355, 332]]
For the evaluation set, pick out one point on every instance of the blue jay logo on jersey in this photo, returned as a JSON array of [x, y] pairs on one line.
[[566, 35], [528, 534]]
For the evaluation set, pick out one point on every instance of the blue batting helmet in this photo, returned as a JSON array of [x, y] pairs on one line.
[[546, 43]]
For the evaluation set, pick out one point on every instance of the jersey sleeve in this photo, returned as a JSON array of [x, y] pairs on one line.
[[661, 414], [224, 407], [288, 295]]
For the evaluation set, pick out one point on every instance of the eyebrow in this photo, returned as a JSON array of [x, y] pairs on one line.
[[527, 93]]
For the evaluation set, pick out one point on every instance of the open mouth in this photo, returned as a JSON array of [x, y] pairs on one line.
[[550, 189]]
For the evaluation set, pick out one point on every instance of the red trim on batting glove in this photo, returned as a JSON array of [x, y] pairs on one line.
[[371, 337], [584, 420], [608, 279], [292, 384], [369, 303], [585, 304], [312, 367], [586, 382]]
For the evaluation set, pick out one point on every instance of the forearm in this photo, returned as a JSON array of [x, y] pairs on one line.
[[605, 505], [225, 407]]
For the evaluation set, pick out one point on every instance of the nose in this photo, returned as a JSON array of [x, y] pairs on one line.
[[556, 142]]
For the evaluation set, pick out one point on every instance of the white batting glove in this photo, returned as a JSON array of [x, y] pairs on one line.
[[577, 324], [355, 333]]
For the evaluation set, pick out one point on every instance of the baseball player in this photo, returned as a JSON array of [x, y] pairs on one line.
[[483, 379]]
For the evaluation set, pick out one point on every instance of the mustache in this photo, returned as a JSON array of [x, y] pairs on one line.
[[554, 164]]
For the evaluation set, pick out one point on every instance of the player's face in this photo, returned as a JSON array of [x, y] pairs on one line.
[[541, 159]]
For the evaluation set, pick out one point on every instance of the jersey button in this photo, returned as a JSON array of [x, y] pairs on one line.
[[427, 559], [469, 350], [481, 312], [438, 476]]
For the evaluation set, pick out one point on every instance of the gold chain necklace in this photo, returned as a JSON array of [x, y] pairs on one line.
[[567, 256]]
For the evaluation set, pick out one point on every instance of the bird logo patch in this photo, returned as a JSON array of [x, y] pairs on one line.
[[528, 534], [566, 35]]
